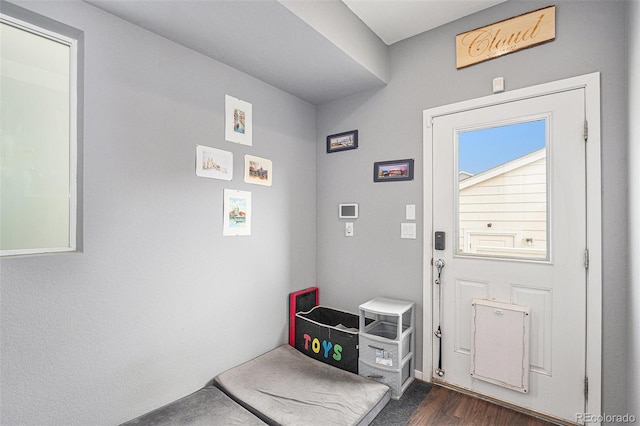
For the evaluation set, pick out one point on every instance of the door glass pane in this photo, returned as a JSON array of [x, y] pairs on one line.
[[502, 191]]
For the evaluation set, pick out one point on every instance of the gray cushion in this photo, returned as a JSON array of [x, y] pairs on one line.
[[206, 407], [287, 387]]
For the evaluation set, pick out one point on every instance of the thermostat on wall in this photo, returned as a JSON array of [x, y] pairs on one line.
[[348, 211]]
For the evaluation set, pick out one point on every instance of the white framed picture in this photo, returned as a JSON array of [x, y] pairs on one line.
[[237, 213], [214, 163], [238, 121], [258, 171]]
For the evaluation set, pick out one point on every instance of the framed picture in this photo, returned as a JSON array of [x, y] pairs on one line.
[[238, 121], [342, 141], [392, 171], [258, 171], [237, 212], [214, 163]]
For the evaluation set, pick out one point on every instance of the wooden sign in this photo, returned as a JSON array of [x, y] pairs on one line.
[[505, 37]]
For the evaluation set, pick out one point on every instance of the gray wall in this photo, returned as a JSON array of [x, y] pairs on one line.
[[589, 37], [153, 308], [159, 302], [633, 357]]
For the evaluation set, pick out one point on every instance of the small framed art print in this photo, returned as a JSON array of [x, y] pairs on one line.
[[237, 212], [238, 121], [214, 163], [393, 171], [258, 171], [342, 141]]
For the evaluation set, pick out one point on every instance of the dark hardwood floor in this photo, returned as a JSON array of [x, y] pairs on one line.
[[443, 406]]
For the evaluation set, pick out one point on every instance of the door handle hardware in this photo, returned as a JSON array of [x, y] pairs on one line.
[[439, 264]]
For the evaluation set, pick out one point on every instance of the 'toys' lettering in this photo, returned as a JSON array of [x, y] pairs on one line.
[[307, 338], [326, 347], [337, 352]]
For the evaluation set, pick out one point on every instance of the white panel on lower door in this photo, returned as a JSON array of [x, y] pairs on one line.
[[500, 344], [466, 291], [539, 300]]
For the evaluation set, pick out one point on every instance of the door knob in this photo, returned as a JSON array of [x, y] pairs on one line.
[[439, 264]]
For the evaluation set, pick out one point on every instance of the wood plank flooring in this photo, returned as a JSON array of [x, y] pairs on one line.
[[443, 406]]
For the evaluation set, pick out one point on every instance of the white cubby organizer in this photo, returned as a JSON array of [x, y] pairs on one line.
[[387, 343]]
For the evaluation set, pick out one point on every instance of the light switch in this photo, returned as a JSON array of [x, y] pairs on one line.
[[348, 229], [408, 231], [411, 212]]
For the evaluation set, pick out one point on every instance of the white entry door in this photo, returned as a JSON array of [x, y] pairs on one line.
[[509, 195]]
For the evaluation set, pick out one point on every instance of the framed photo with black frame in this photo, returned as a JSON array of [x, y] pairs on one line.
[[342, 141], [393, 171]]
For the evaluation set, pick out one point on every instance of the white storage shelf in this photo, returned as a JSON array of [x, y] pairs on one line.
[[387, 343]]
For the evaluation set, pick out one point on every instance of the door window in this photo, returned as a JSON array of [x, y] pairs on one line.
[[502, 202]]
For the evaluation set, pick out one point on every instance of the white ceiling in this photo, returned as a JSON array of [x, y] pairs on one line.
[[266, 40], [396, 20]]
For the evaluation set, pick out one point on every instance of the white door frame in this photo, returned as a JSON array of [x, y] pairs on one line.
[[591, 84]]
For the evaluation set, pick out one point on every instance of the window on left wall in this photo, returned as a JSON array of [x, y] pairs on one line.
[[39, 132]]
